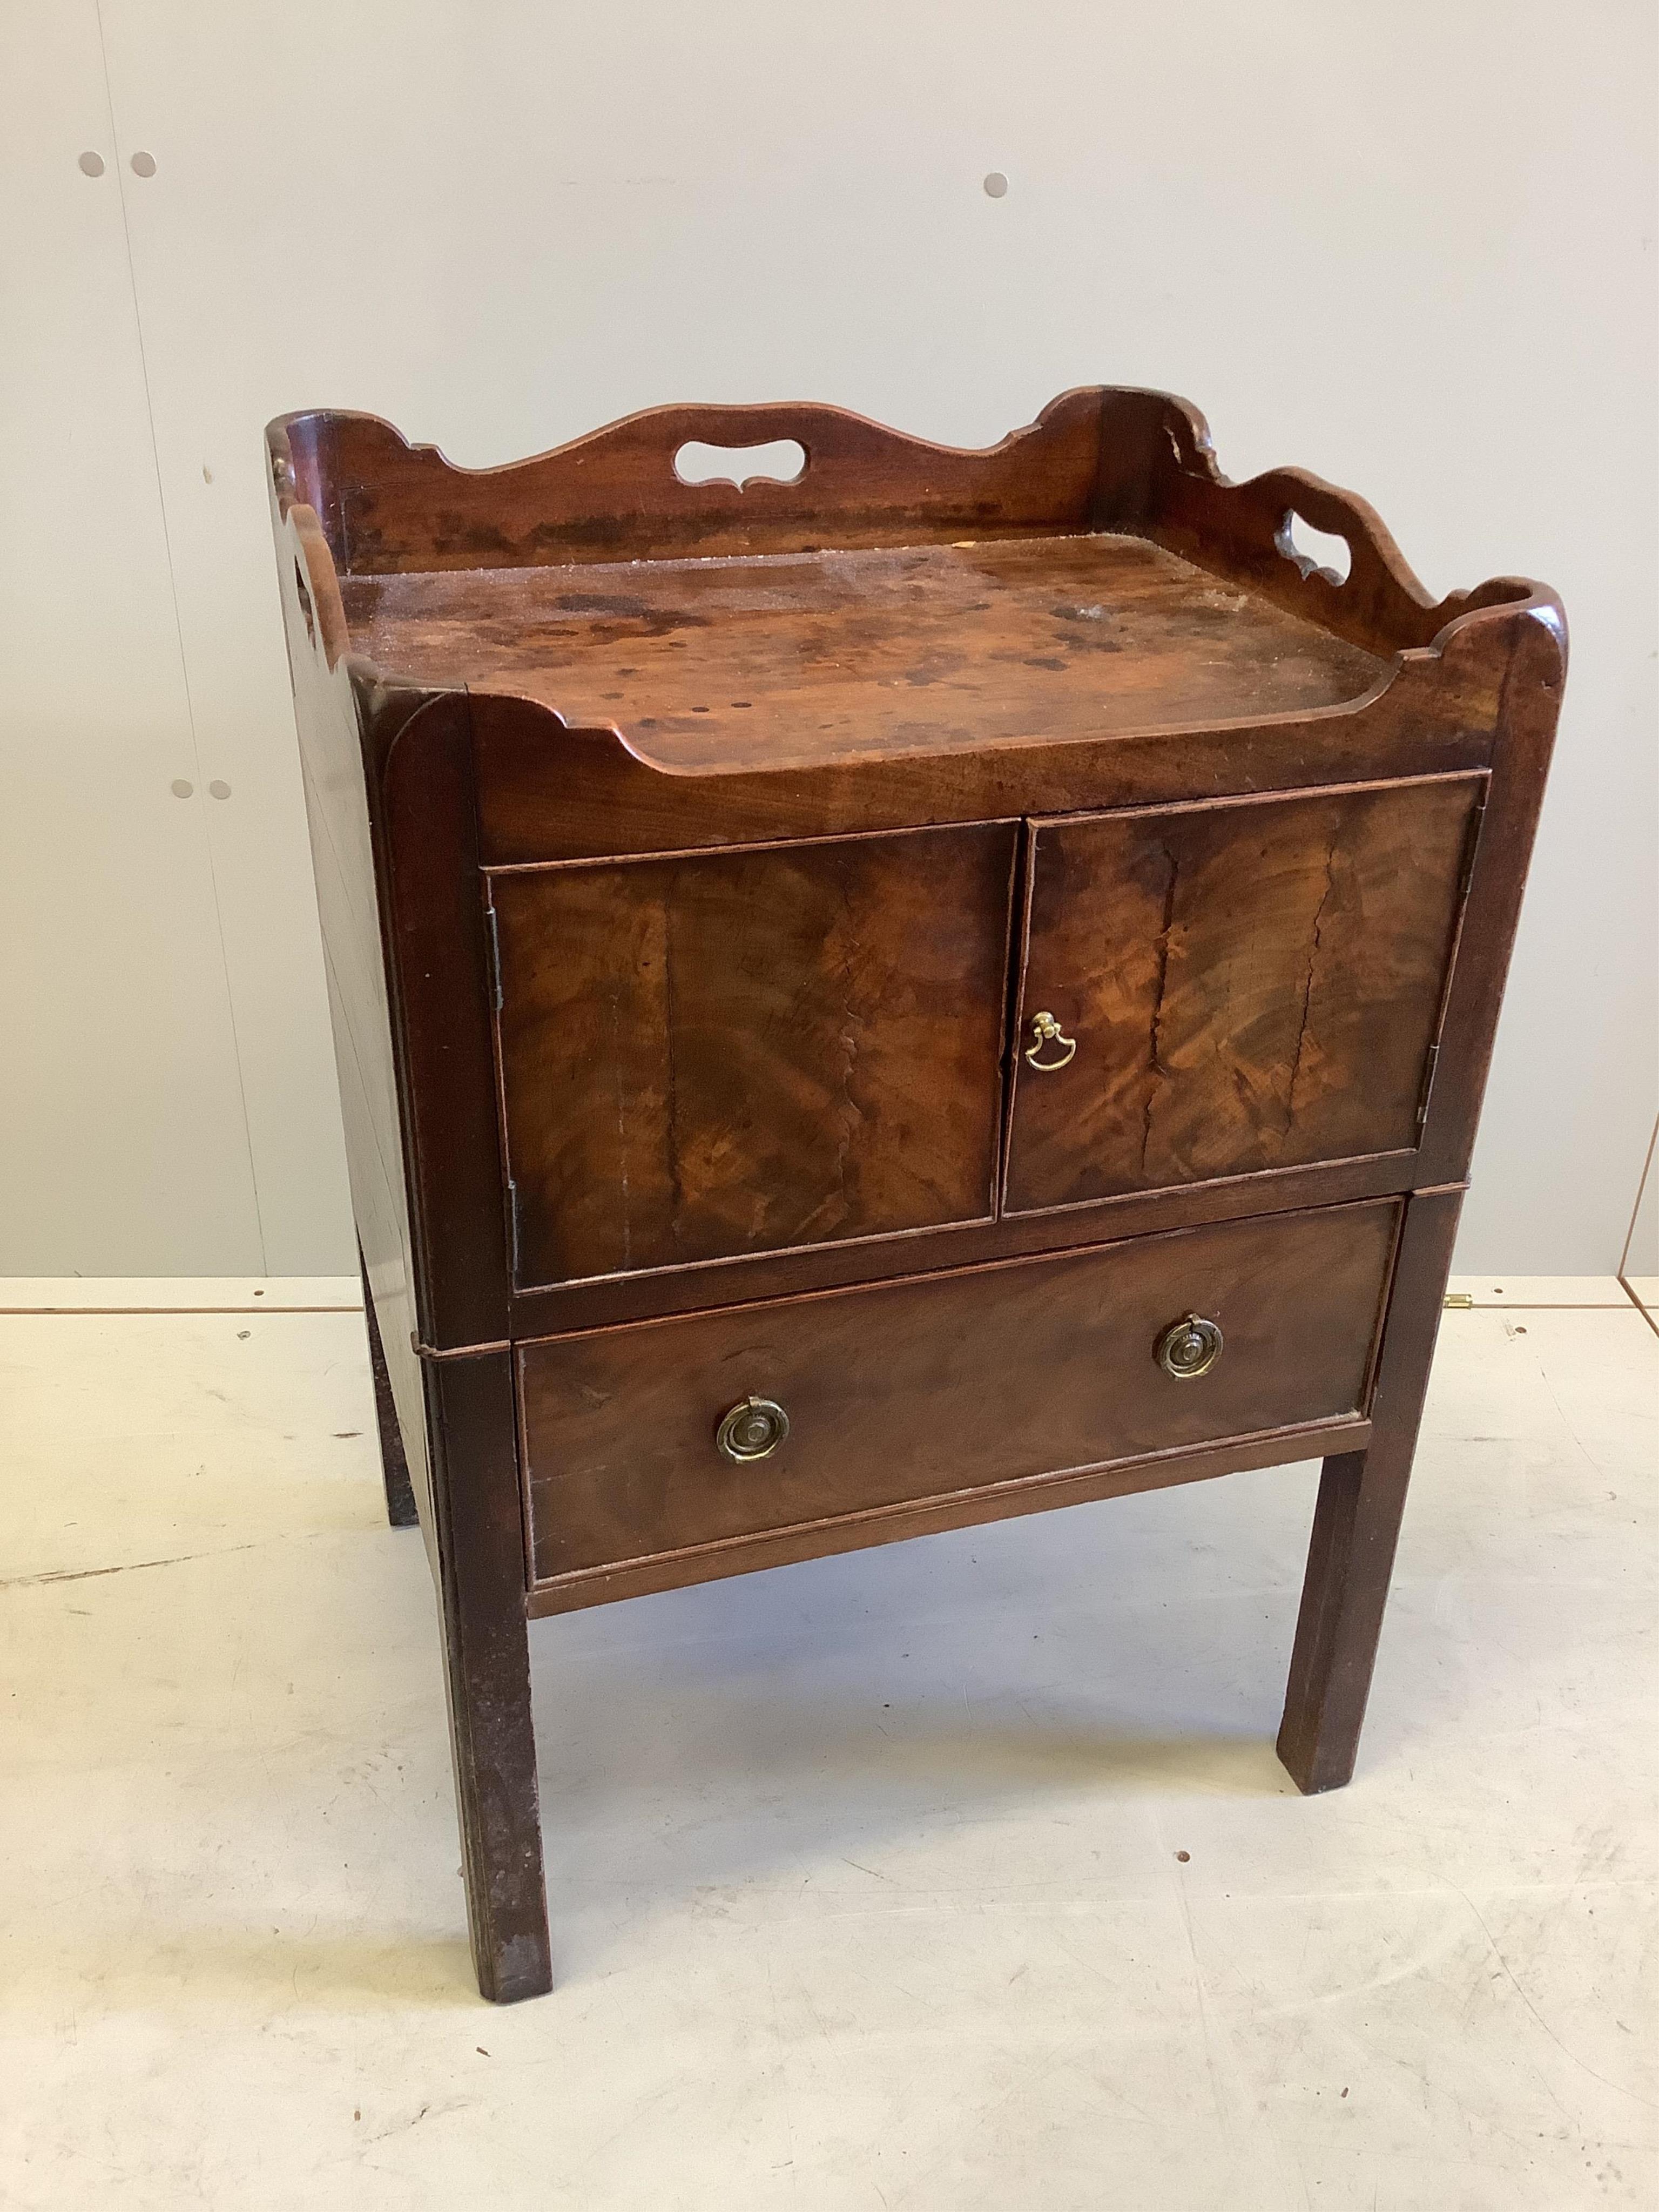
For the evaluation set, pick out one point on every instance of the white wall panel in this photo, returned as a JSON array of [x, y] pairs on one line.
[[1410, 248], [123, 1142]]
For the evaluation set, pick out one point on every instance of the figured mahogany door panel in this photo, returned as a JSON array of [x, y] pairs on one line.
[[1233, 986], [903, 1391], [727, 1053]]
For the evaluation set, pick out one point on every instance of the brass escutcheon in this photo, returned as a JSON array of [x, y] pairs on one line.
[[1190, 1347], [1045, 1029], [752, 1428]]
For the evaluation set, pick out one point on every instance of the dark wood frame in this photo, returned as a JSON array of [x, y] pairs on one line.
[[417, 796]]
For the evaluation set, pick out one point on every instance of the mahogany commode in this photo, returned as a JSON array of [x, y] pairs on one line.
[[955, 983]]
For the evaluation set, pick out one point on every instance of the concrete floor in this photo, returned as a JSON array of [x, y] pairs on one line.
[[959, 1875]]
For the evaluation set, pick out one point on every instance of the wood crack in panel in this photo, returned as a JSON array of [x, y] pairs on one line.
[[1315, 940], [851, 1025], [1157, 1074], [625, 1210]]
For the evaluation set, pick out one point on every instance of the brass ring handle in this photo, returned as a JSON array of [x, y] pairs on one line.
[[1190, 1347], [751, 1429], [1045, 1031]]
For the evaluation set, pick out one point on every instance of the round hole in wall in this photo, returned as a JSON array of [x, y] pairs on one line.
[[91, 164], [181, 789], [143, 164], [217, 789], [996, 186]]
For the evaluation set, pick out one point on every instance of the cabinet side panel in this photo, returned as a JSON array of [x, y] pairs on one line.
[[332, 756], [1521, 761], [442, 988]]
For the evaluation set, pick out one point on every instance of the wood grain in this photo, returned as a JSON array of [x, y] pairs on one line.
[[784, 661], [1249, 985], [549, 793], [1096, 459], [916, 1389], [729, 1054]]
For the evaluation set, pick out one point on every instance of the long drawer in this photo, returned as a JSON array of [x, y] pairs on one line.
[[661, 1435]]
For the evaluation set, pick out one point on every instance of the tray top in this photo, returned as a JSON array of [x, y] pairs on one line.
[[792, 659]]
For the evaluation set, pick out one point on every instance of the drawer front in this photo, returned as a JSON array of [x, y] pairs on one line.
[[734, 1053], [1247, 985], [917, 1389]]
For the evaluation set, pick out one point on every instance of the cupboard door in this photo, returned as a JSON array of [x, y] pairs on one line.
[[737, 1052], [1218, 988]]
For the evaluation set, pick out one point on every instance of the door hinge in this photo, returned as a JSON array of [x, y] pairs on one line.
[[1428, 1085], [495, 951]]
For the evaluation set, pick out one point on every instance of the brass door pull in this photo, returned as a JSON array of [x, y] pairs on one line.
[[751, 1429], [1190, 1347], [1046, 1030]]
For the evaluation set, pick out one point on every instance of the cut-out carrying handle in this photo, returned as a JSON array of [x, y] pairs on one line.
[[780, 461], [1327, 552], [716, 452], [843, 457]]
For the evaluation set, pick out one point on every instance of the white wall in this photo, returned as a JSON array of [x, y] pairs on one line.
[[1411, 248]]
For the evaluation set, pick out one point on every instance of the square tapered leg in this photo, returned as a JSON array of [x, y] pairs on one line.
[[1362, 1497]]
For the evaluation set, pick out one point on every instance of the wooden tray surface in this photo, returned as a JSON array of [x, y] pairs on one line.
[[792, 659]]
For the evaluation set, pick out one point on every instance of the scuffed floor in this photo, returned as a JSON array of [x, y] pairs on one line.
[[959, 1875]]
